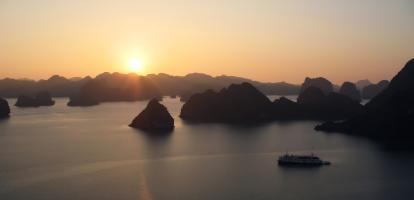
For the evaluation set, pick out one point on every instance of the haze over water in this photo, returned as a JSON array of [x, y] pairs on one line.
[[90, 153]]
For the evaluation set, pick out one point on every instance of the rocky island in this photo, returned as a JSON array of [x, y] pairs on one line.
[[350, 90], [313, 104], [4, 108], [317, 101], [243, 103], [322, 83], [234, 104], [40, 99], [155, 117], [87, 95], [44, 99]]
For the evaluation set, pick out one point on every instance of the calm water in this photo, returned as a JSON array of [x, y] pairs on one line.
[[90, 153]]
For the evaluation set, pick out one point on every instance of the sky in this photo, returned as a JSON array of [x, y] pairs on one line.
[[265, 40]]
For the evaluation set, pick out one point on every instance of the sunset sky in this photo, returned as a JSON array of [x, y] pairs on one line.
[[259, 39]]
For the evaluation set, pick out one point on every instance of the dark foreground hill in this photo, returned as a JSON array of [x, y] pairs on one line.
[[389, 115]]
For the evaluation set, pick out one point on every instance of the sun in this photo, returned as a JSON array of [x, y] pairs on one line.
[[135, 65]]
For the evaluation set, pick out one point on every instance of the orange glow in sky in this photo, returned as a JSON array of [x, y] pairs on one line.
[[263, 40], [135, 65]]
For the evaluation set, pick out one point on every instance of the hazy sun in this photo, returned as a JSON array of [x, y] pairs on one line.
[[135, 65]]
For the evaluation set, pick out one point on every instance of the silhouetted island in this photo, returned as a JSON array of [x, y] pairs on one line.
[[237, 103], [389, 115], [87, 95], [112, 88], [4, 108], [316, 101], [57, 86], [362, 83], [322, 83], [132, 87], [350, 90], [82, 101], [244, 103], [373, 90], [286, 109], [26, 101], [44, 99], [40, 99], [155, 117], [313, 104]]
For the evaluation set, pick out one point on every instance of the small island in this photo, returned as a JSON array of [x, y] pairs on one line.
[[4, 108], [155, 117], [40, 99]]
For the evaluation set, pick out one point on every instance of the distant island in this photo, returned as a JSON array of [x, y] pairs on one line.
[[108, 87], [40, 99], [166, 85], [372, 90], [57, 86]]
